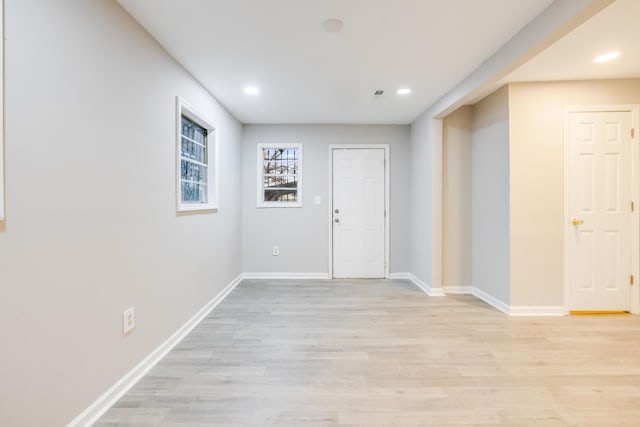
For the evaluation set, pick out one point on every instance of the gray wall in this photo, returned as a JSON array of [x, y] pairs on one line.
[[302, 233], [421, 243], [490, 196], [91, 226]]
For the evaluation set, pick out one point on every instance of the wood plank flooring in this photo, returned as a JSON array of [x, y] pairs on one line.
[[382, 353]]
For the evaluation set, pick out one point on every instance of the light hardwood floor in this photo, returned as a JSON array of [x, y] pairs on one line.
[[381, 352]]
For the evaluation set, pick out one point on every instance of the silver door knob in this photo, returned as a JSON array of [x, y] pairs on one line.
[[336, 220], [337, 211]]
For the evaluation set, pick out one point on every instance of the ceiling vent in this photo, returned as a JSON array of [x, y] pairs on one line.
[[378, 93]]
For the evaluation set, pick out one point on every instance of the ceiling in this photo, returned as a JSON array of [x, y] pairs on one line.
[[615, 28], [308, 75]]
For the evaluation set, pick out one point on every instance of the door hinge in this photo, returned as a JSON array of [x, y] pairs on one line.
[[631, 280], [633, 132], [631, 206]]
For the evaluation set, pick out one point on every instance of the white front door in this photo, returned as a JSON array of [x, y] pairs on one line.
[[358, 213], [599, 247]]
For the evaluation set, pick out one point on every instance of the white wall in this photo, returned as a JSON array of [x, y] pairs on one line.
[[91, 225], [457, 214], [302, 233], [490, 196]]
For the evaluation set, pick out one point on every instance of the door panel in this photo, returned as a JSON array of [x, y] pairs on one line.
[[358, 217], [599, 185]]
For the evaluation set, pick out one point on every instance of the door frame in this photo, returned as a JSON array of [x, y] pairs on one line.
[[387, 191], [634, 110]]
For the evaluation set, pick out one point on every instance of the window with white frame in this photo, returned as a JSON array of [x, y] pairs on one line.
[[197, 156], [279, 175]]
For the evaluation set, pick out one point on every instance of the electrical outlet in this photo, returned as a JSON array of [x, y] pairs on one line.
[[129, 321], [275, 251]]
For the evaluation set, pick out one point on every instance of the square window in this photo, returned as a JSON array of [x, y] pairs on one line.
[[197, 154], [279, 175]]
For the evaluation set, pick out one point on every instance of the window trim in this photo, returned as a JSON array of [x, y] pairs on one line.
[[260, 203], [185, 109]]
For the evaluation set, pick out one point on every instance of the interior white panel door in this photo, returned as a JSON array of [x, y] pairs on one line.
[[358, 213], [599, 185]]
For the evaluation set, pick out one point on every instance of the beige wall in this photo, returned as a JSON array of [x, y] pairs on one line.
[[536, 156], [91, 224], [456, 157]]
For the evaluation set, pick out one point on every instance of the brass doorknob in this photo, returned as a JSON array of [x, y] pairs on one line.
[[576, 221], [336, 220]]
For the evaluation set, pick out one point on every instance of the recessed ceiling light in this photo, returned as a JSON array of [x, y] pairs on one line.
[[607, 57], [404, 91], [332, 25], [251, 90]]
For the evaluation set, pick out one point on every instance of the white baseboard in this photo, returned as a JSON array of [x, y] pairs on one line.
[[432, 292], [90, 415], [537, 311], [491, 300], [400, 276], [286, 276], [505, 308], [458, 290]]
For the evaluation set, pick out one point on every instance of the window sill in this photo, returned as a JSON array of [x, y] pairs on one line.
[[279, 205], [204, 207]]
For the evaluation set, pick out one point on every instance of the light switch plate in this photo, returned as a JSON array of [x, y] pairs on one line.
[[129, 321], [317, 200]]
